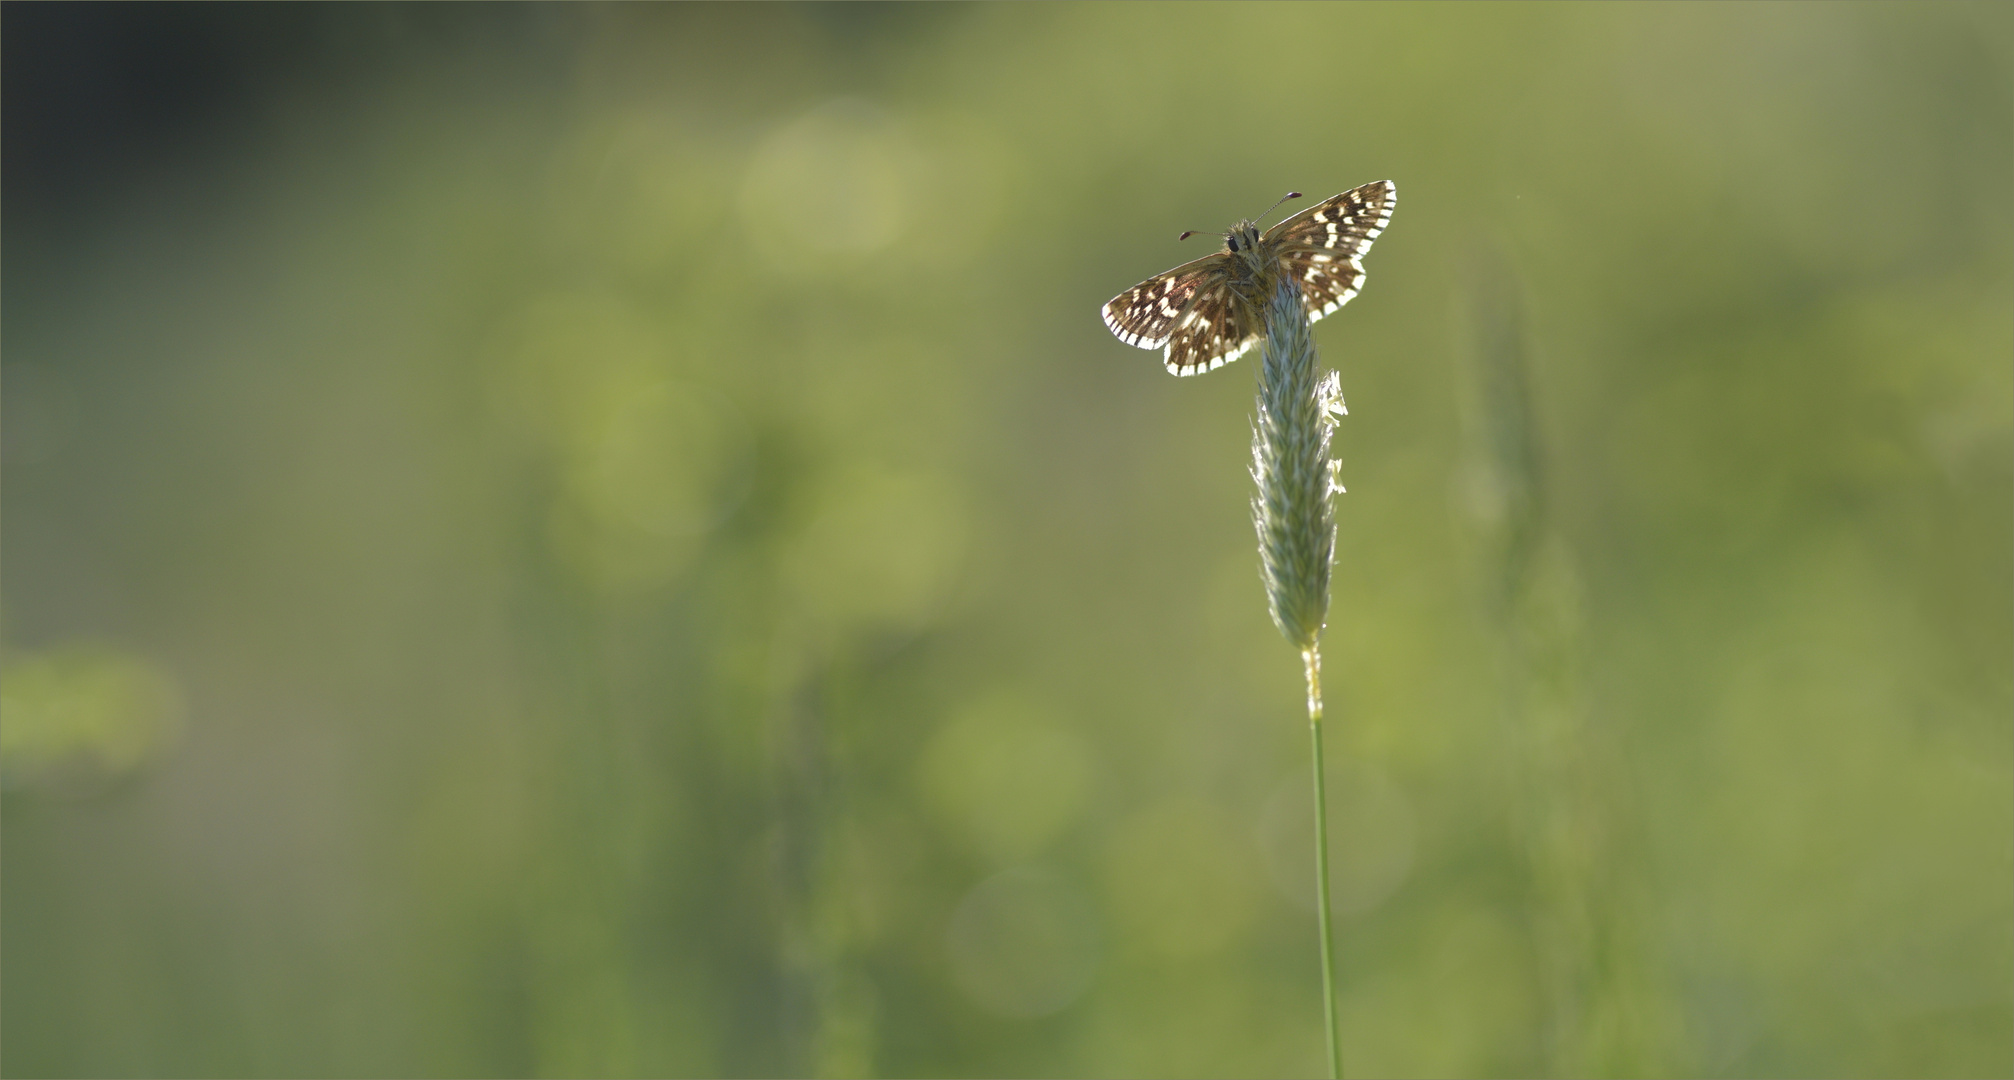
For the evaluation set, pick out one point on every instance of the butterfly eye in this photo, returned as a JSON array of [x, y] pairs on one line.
[[1232, 240]]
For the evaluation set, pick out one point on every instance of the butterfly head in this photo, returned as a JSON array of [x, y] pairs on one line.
[[1243, 241]]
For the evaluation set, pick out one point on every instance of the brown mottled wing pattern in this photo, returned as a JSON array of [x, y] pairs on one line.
[[1189, 312], [1145, 315], [1321, 246], [1213, 332]]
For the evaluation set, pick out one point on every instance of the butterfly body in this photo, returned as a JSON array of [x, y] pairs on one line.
[[1205, 313], [1254, 262]]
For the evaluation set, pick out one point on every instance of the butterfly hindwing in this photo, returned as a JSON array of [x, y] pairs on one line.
[[1211, 334], [1326, 285]]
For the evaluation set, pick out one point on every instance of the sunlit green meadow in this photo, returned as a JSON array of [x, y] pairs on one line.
[[612, 540]]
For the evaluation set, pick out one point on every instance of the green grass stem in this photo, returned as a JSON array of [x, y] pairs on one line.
[[1295, 519], [1312, 658]]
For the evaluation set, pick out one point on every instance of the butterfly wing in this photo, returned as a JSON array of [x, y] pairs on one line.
[[1320, 246], [1344, 225], [1189, 312], [1146, 314], [1212, 333]]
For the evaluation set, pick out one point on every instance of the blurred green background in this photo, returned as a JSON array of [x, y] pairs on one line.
[[611, 540]]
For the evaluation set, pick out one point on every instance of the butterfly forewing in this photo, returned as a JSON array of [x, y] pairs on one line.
[[1146, 314], [1342, 227]]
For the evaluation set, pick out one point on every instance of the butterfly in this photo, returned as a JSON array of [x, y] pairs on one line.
[[1207, 313]]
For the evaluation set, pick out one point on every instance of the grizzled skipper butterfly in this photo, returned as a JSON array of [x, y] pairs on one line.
[[1207, 313]]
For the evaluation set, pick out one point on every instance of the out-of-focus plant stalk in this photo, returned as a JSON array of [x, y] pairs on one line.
[[1603, 1012], [1297, 542]]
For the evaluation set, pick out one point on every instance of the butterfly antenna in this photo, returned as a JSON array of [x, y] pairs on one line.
[[1269, 209], [1276, 206]]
